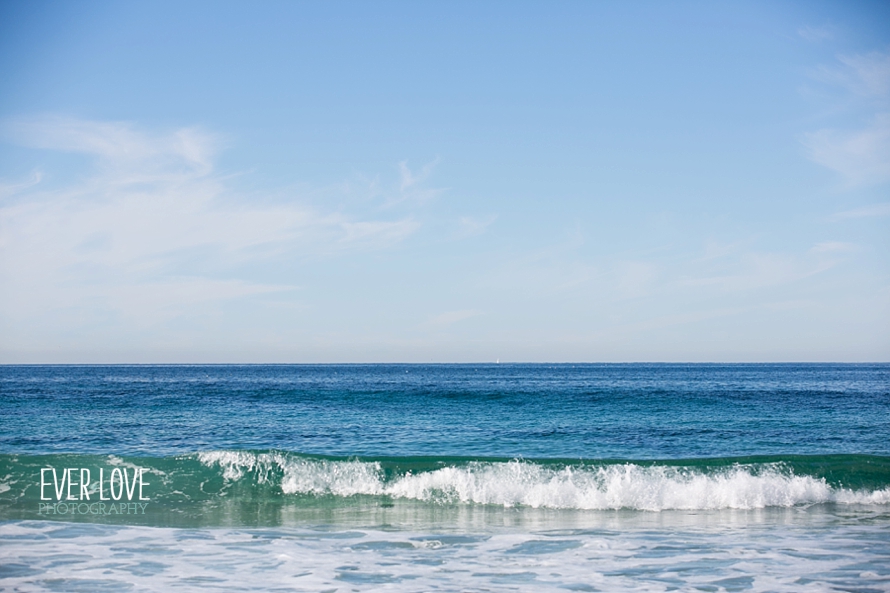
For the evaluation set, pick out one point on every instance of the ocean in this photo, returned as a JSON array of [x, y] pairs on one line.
[[497, 477]]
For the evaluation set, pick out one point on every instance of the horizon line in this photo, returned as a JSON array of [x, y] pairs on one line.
[[436, 363]]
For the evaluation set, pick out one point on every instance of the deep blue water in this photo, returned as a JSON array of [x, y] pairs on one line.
[[596, 411]]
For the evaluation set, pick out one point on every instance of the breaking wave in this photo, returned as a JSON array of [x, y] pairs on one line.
[[216, 488], [617, 485]]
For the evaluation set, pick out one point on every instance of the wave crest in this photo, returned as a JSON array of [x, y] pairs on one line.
[[530, 484]]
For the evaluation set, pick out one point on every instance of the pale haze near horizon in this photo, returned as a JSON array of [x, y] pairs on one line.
[[452, 182]]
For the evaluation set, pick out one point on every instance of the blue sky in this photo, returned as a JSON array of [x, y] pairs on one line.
[[360, 182]]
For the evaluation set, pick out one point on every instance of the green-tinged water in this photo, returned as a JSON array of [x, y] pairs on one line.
[[250, 488]]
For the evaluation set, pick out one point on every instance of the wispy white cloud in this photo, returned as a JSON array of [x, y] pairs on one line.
[[411, 179], [380, 232], [816, 33], [411, 185], [833, 247], [750, 271], [864, 74], [635, 278], [470, 226], [12, 188], [555, 269], [119, 144], [672, 320], [149, 249], [861, 156], [449, 318], [873, 210]]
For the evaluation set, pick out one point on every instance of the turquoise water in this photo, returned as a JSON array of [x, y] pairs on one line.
[[449, 477]]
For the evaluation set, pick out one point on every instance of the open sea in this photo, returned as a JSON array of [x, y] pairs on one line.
[[509, 477]]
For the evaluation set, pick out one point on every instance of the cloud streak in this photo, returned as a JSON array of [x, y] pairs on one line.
[[865, 74], [120, 145], [449, 318], [815, 34], [872, 211], [153, 231], [861, 156], [470, 226], [11, 189], [411, 188]]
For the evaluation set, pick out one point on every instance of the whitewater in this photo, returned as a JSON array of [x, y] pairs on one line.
[[612, 486]]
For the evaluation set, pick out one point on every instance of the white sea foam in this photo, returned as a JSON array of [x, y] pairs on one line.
[[521, 483], [762, 557]]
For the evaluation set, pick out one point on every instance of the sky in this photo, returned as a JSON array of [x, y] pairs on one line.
[[200, 182]]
